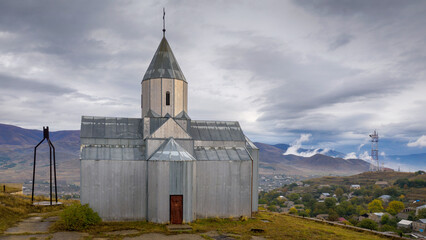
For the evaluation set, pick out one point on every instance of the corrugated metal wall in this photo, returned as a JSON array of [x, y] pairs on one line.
[[116, 190], [223, 189]]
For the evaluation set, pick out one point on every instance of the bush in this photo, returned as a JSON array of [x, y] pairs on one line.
[[387, 228], [78, 217], [368, 223], [293, 210]]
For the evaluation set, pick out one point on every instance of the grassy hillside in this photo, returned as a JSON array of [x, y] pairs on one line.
[[280, 226], [10, 187], [274, 226], [366, 178], [14, 208]]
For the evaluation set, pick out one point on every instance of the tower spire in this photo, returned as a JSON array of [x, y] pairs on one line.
[[164, 22]]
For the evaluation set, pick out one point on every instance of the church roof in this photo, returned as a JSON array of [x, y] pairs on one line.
[[216, 131], [221, 154], [170, 150], [164, 64]]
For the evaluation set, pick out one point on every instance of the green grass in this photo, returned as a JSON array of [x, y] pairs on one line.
[[280, 227]]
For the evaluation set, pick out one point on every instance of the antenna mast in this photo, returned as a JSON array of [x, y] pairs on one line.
[[375, 149]]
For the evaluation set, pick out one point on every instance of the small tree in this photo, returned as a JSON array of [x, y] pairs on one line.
[[332, 215], [293, 210], [395, 207], [375, 206], [385, 219], [368, 223], [293, 197], [330, 202], [339, 192]]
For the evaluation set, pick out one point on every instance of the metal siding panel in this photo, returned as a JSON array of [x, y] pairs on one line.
[[155, 97], [222, 154], [194, 131], [179, 95], [99, 127], [122, 124], [86, 127], [103, 153], [242, 152], [145, 96], [211, 154], [214, 132], [185, 97], [110, 127], [233, 155]]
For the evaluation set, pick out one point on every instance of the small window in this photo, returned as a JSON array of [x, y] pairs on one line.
[[167, 98]]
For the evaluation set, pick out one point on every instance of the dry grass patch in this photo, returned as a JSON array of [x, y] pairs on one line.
[[279, 227], [16, 207], [11, 187]]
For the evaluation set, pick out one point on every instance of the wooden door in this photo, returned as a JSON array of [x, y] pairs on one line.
[[176, 209]]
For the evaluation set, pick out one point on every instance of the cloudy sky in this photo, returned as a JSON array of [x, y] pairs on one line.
[[332, 70]]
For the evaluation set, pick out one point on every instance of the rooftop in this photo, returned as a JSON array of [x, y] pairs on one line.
[[164, 64]]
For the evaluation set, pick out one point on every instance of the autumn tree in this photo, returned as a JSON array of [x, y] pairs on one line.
[[375, 206], [395, 207]]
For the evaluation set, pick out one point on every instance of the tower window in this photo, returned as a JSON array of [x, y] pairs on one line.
[[167, 98]]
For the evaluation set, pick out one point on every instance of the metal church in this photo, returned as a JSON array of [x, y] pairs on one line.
[[165, 167]]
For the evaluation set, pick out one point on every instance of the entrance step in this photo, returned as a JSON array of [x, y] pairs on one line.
[[178, 227]]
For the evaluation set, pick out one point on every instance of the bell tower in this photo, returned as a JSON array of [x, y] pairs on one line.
[[164, 87]]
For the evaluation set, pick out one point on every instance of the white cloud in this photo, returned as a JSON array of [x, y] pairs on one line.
[[327, 72], [351, 155], [365, 156], [295, 147], [421, 142]]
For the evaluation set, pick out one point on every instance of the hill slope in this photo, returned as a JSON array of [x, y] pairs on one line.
[[17, 153], [273, 160]]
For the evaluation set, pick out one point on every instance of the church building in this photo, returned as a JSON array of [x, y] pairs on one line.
[[165, 167]]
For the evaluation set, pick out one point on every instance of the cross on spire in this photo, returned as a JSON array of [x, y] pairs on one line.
[[164, 22]]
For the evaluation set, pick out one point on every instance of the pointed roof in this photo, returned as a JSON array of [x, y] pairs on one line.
[[164, 64], [183, 115], [170, 150], [152, 114]]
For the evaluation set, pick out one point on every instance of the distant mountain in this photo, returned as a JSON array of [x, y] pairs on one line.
[[17, 154], [17, 149], [273, 160]]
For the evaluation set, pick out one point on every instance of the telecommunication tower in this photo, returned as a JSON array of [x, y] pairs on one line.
[[375, 149]]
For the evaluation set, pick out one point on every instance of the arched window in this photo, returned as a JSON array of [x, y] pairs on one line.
[[167, 98]]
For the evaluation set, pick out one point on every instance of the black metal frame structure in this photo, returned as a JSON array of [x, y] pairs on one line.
[[46, 137]]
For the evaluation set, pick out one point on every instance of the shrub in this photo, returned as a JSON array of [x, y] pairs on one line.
[[387, 228], [293, 210], [79, 217], [368, 223]]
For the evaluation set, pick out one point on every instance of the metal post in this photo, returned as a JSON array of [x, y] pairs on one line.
[[54, 170], [34, 167], [46, 136], [50, 157]]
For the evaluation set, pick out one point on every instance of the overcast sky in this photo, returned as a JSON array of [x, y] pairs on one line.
[[334, 69]]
